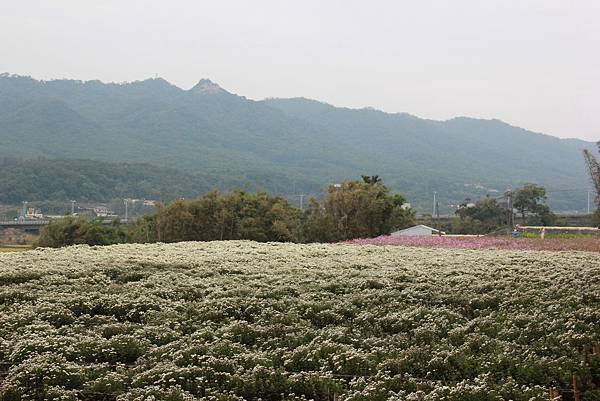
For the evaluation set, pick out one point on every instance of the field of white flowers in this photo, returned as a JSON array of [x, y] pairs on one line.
[[241, 320]]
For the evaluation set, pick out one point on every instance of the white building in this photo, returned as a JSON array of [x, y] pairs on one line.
[[417, 230]]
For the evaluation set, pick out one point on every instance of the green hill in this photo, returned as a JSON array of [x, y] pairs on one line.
[[280, 145], [458, 156]]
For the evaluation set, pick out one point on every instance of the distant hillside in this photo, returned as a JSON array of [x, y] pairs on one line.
[[281, 145], [457, 155]]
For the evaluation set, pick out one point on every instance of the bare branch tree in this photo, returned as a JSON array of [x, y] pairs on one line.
[[593, 167]]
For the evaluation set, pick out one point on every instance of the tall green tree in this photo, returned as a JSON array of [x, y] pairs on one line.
[[483, 217], [218, 216], [74, 231], [529, 201], [402, 215], [373, 179], [317, 225], [357, 209]]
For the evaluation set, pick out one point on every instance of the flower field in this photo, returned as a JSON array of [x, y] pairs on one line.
[[475, 242], [241, 320]]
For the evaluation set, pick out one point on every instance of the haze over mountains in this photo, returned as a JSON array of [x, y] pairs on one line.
[[279, 145]]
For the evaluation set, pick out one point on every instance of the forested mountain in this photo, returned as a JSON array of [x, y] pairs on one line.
[[457, 155], [280, 145]]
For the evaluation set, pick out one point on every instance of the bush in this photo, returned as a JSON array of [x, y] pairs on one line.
[[74, 231]]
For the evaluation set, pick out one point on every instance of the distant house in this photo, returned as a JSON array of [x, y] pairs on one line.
[[416, 230], [102, 211]]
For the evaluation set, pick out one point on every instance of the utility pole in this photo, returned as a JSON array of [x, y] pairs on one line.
[[72, 208], [510, 208], [126, 210], [588, 202], [511, 212], [300, 199], [434, 203], [437, 215]]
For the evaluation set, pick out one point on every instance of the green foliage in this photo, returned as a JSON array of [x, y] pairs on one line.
[[359, 209], [488, 215], [216, 216], [529, 202], [74, 231], [468, 225], [485, 216], [527, 198], [596, 217], [317, 225], [451, 156], [355, 209], [65, 179], [374, 179], [402, 216]]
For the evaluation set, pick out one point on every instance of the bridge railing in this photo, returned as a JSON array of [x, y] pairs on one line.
[[24, 222], [30, 223]]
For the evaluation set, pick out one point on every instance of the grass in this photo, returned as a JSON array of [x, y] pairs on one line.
[[558, 236], [14, 248]]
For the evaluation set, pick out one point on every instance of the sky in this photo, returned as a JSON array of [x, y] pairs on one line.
[[531, 63]]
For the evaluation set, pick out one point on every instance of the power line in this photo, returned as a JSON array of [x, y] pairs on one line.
[[567, 190]]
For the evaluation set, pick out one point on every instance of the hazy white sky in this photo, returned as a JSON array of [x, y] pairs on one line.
[[532, 63]]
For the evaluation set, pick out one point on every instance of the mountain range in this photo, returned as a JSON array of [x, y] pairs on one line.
[[284, 146]]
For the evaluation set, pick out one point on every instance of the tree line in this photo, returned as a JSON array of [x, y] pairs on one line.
[[43, 179], [352, 209], [488, 214]]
